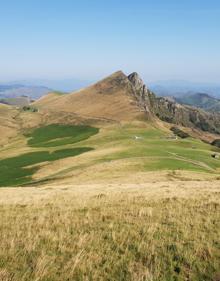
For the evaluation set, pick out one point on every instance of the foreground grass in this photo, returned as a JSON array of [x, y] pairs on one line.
[[167, 231]]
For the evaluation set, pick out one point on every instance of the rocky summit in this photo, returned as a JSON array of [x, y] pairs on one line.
[[170, 111]]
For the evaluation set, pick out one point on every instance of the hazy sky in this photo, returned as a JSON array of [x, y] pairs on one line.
[[160, 39]]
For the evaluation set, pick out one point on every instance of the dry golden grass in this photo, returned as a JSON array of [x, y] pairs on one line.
[[110, 99], [148, 231], [8, 124]]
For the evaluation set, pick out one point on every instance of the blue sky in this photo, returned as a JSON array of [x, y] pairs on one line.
[[160, 39]]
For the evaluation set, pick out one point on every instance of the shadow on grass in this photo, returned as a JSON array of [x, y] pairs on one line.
[[57, 135], [17, 171]]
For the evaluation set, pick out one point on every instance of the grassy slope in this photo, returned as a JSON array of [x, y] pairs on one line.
[[155, 144], [17, 170], [57, 135], [157, 232], [152, 151]]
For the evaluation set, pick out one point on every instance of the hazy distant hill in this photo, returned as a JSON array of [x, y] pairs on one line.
[[64, 85], [180, 87], [19, 101], [201, 100], [18, 90]]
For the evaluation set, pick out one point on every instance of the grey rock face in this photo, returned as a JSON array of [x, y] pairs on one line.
[[136, 81], [170, 111], [142, 94]]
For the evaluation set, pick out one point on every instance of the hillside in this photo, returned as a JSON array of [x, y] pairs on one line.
[[136, 231], [111, 99], [104, 189], [8, 125], [111, 128], [201, 100], [117, 99], [187, 116], [120, 98]]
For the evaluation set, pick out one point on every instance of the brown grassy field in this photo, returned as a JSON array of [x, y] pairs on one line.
[[152, 231]]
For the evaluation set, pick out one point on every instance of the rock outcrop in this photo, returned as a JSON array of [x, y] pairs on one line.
[[144, 96], [216, 143], [170, 111]]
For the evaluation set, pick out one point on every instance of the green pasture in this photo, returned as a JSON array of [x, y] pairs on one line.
[[152, 147], [57, 135], [17, 170]]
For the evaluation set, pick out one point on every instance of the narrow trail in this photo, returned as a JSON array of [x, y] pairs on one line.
[[65, 171], [198, 163]]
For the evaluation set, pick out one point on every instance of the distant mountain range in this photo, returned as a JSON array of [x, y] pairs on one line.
[[63, 85], [178, 88], [34, 89], [200, 100]]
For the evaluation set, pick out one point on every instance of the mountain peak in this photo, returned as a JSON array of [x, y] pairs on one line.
[[124, 98], [136, 80], [116, 75]]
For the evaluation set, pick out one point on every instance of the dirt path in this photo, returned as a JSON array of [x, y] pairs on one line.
[[198, 163]]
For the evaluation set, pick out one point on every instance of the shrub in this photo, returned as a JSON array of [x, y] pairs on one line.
[[179, 132], [29, 108], [216, 143]]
